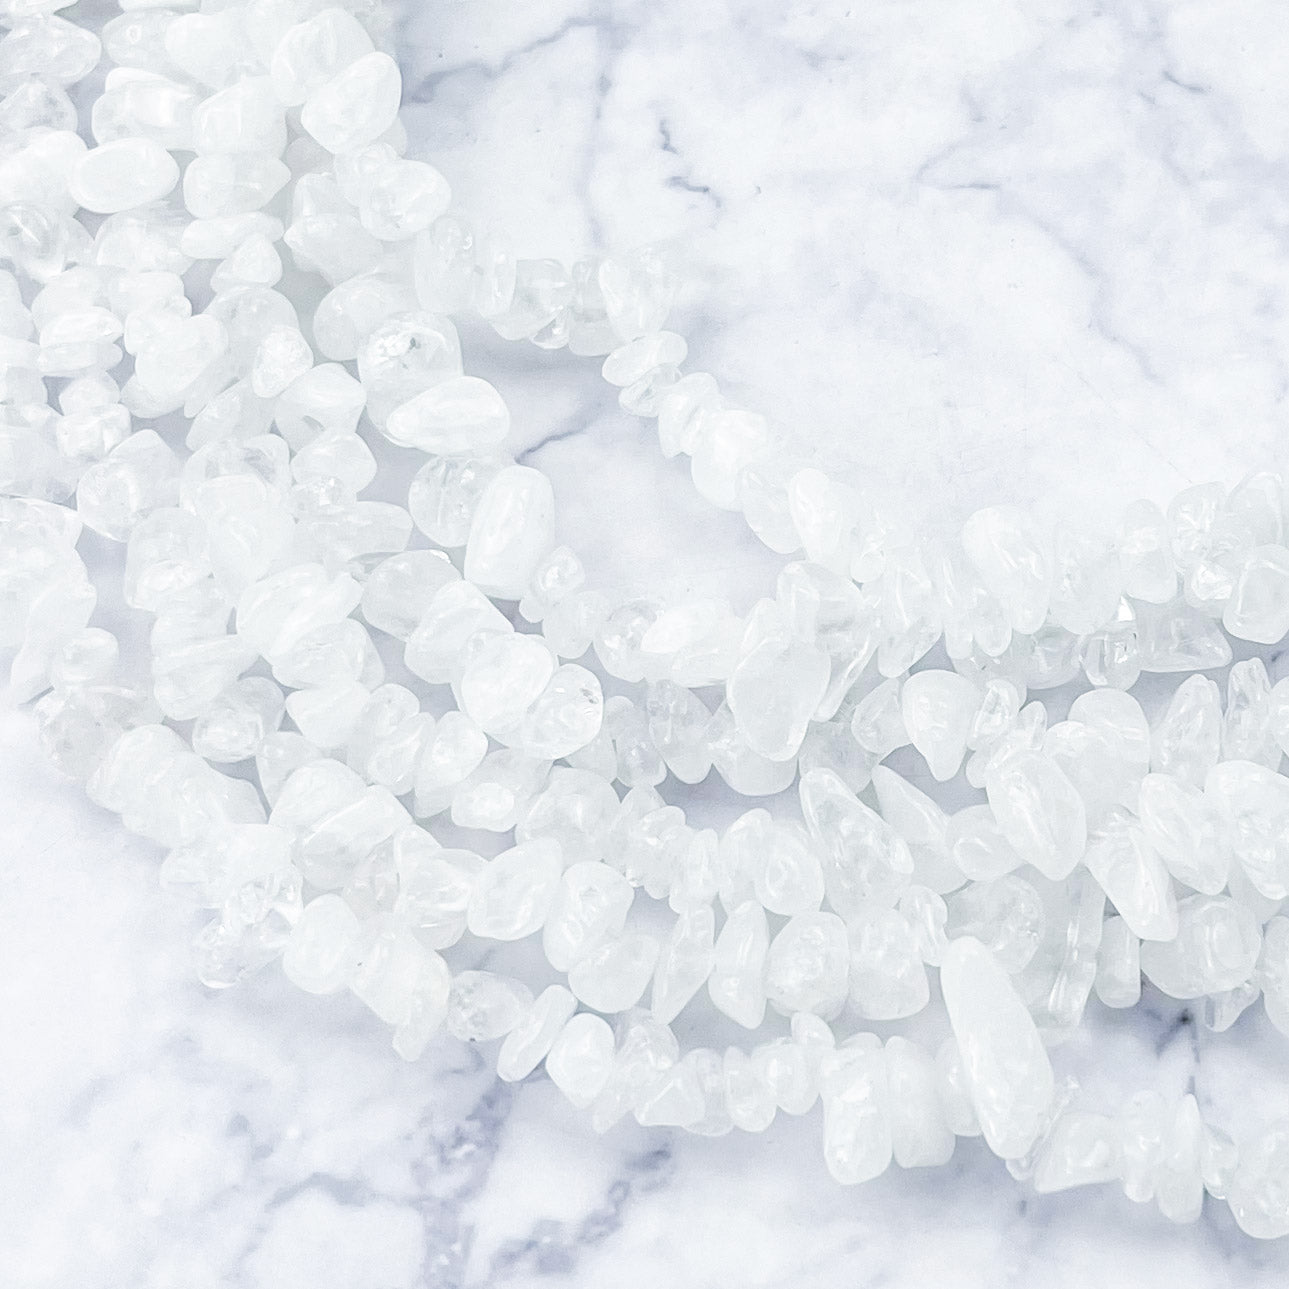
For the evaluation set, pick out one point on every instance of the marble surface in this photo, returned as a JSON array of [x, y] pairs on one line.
[[982, 251]]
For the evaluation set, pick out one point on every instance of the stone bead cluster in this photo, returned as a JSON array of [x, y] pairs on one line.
[[224, 281]]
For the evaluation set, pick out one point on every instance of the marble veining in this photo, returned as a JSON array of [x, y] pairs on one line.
[[979, 252]]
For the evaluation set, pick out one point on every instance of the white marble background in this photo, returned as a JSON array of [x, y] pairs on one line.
[[982, 250]]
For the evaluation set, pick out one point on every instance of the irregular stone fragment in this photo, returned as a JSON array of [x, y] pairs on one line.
[[776, 685], [857, 1130], [807, 968], [589, 908], [614, 973], [684, 964], [888, 980], [737, 980], [356, 106], [1143, 544], [1259, 1195], [1040, 813], [1081, 1150], [462, 414], [512, 529], [1014, 561], [937, 708], [1118, 979], [1185, 829], [1177, 637], [1005, 915], [515, 891], [921, 1136], [483, 1005], [1216, 948], [1133, 876], [1007, 1068], [1252, 803], [533, 1035], [1258, 609], [123, 174], [581, 1059], [322, 955]]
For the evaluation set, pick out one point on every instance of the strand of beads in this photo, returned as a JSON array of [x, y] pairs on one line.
[[284, 535]]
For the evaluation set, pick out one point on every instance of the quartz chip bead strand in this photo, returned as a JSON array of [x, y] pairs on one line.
[[1200, 534]]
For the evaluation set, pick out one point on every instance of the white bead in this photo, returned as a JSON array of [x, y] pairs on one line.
[[1258, 609], [684, 964], [458, 415], [356, 106], [857, 1132], [937, 708], [581, 1059], [920, 1133], [590, 907], [118, 176], [514, 892], [736, 983], [1014, 561], [1007, 1068], [1216, 947], [1040, 813], [530, 1041], [322, 955], [614, 974], [512, 529], [503, 678], [808, 965]]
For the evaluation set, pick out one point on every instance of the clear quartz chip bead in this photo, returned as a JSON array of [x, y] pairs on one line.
[[937, 708], [582, 1058], [808, 965], [356, 106], [534, 1033], [1007, 1068], [857, 1139], [1039, 811], [737, 981], [1258, 609], [589, 908], [1259, 1193], [484, 1005], [323, 952], [121, 175], [1014, 561], [1187, 740], [514, 893], [510, 532], [459, 415], [1144, 554], [615, 973], [887, 979], [776, 684], [1216, 948], [862, 855], [1118, 978]]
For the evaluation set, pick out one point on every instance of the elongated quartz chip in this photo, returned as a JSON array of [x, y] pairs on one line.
[[938, 707], [1007, 1068]]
